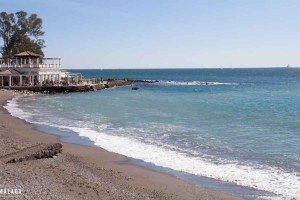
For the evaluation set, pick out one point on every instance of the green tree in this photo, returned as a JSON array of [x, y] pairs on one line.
[[20, 33]]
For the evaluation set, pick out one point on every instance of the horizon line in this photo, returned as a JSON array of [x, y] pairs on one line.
[[181, 68]]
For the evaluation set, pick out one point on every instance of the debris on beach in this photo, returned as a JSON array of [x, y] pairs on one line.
[[35, 152]]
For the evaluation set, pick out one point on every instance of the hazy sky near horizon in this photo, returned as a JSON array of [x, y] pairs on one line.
[[168, 33]]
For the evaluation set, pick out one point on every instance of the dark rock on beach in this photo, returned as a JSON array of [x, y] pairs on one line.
[[38, 151]]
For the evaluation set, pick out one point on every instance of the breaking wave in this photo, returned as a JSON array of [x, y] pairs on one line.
[[274, 180], [193, 83]]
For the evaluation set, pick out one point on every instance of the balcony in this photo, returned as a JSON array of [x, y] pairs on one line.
[[31, 63]]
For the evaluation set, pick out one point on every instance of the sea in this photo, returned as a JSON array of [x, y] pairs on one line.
[[232, 130]]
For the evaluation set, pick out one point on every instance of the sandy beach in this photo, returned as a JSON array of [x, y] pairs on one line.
[[82, 172]]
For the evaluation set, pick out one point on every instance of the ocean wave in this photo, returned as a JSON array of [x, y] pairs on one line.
[[13, 108], [265, 178], [270, 179], [194, 83]]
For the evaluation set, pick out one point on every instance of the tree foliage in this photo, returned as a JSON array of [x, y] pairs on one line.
[[20, 33]]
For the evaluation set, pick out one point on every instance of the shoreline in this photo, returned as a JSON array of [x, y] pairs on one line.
[[121, 181]]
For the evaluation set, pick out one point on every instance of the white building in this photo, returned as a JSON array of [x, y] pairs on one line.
[[28, 69]]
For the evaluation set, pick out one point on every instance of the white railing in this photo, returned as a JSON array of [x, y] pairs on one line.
[[30, 66], [49, 66], [5, 65], [30, 63]]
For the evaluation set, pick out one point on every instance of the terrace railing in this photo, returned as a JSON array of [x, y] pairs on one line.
[[13, 63]]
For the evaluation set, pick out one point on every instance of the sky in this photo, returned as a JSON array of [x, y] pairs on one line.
[[168, 33]]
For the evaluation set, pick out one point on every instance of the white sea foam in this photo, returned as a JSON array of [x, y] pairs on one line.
[[193, 83], [262, 178], [13, 108], [275, 180]]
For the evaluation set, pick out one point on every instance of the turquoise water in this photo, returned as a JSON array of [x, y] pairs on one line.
[[234, 125]]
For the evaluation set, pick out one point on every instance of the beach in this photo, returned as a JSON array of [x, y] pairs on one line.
[[82, 172]]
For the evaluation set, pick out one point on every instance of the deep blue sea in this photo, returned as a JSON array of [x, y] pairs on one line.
[[236, 126]]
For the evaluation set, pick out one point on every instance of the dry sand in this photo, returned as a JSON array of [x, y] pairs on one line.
[[81, 172]]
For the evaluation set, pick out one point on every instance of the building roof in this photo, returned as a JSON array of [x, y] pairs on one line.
[[9, 72], [28, 54]]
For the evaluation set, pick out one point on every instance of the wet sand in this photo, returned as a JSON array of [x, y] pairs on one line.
[[82, 172]]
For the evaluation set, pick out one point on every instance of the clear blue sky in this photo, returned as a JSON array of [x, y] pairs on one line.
[[168, 33]]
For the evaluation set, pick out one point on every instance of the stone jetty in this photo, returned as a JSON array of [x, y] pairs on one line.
[[108, 83]]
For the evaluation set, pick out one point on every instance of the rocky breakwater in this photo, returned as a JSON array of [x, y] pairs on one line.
[[107, 83]]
